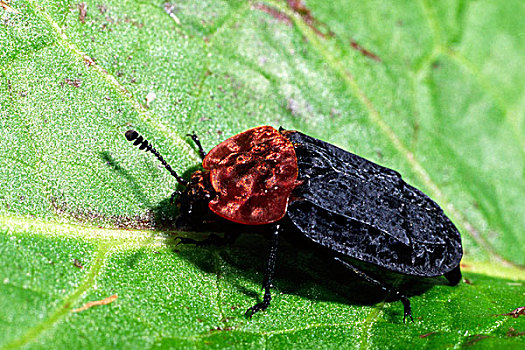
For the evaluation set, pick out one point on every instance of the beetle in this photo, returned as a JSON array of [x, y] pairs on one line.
[[357, 210]]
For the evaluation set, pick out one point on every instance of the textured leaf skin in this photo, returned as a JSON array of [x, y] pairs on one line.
[[365, 211]]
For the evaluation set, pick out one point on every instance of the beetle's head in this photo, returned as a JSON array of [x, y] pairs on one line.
[[193, 201]]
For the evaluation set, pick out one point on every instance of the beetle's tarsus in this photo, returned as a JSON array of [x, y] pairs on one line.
[[257, 307], [268, 276], [266, 300]]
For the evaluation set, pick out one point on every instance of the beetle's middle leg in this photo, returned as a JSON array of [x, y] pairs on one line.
[[268, 275], [390, 290]]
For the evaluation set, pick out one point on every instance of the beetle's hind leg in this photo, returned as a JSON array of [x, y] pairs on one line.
[[195, 139], [390, 290], [268, 275]]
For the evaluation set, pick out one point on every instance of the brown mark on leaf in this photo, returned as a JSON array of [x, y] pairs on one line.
[[78, 264], [133, 22], [513, 333], [7, 8], [105, 301], [102, 9], [145, 221], [73, 82], [475, 339], [278, 15], [88, 61], [300, 8], [105, 27], [355, 45], [427, 334], [82, 12], [515, 313]]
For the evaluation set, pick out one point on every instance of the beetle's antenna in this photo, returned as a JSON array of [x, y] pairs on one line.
[[143, 144]]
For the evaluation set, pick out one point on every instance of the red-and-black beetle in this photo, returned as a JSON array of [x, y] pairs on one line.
[[354, 208]]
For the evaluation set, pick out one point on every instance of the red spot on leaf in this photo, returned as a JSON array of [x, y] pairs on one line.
[[82, 12], [320, 28], [278, 15], [300, 8], [355, 45]]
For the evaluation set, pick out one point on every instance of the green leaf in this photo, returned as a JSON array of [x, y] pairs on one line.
[[431, 89]]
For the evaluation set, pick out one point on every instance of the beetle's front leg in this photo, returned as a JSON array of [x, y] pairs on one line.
[[268, 275]]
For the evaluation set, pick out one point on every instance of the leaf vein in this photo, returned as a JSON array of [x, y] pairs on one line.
[[33, 333]]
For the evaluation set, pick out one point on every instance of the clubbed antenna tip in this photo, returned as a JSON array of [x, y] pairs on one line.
[[131, 135], [144, 145]]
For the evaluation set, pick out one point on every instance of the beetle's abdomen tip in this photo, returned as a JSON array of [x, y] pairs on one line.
[[131, 135]]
